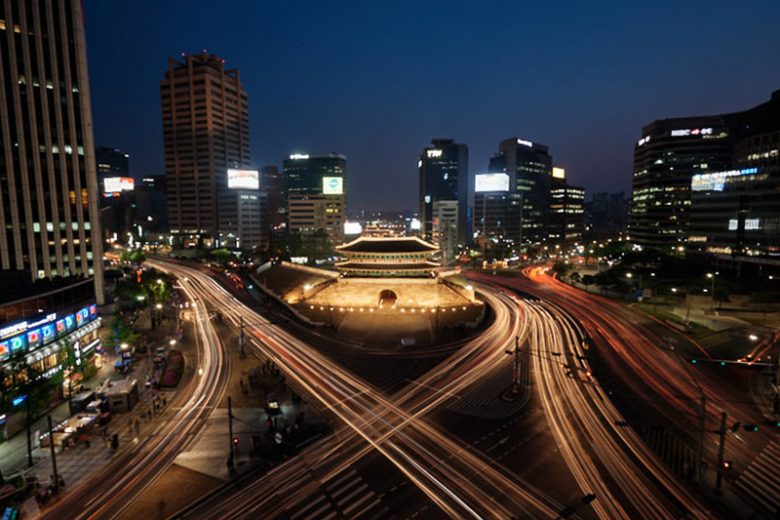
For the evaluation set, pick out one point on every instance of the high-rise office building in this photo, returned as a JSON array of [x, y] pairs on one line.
[[316, 200], [272, 183], [444, 176], [735, 212], [497, 214], [567, 207], [112, 162], [117, 193], [205, 117], [665, 158], [48, 185], [712, 163], [606, 215], [151, 203], [528, 166], [445, 229]]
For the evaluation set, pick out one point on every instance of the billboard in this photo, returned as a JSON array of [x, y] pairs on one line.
[[333, 185], [352, 228], [118, 184], [558, 173], [491, 182], [716, 181], [243, 179]]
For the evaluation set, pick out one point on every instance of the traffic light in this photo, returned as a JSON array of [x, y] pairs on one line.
[[736, 426], [751, 427], [723, 363], [694, 361], [727, 465], [235, 441]]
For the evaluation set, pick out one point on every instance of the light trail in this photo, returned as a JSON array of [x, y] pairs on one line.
[[461, 485], [114, 488]]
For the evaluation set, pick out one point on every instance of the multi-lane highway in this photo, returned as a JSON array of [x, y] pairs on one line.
[[651, 360], [458, 481], [113, 489], [584, 423], [607, 461]]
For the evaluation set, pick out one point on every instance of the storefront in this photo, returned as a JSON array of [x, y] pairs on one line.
[[43, 346]]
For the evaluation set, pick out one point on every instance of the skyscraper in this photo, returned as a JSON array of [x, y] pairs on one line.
[[529, 167], [314, 190], [735, 213], [272, 183], [665, 159], [567, 204], [205, 117], [444, 176], [48, 184], [606, 215]]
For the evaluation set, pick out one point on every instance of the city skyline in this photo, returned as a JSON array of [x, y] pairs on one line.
[[380, 101]]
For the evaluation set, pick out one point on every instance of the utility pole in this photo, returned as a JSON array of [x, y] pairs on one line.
[[700, 444], [53, 458], [241, 336], [776, 402], [721, 449], [29, 427], [515, 366], [231, 460]]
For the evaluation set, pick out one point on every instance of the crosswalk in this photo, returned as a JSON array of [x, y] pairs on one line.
[[677, 456], [760, 482], [485, 398], [348, 496]]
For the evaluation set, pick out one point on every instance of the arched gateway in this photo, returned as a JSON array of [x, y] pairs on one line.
[[387, 297]]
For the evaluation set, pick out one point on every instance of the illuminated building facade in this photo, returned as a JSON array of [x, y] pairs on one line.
[[735, 213], [445, 229], [117, 193], [205, 116], [567, 208], [49, 217], [665, 158], [723, 165], [443, 169], [316, 199], [43, 334], [497, 214]]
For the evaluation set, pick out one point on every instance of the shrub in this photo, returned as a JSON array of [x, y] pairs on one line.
[[174, 368]]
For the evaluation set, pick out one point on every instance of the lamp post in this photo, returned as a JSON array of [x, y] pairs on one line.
[[711, 276]]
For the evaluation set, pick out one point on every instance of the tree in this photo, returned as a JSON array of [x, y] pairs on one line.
[[133, 256], [121, 332], [721, 295], [588, 279], [575, 277], [222, 255], [560, 268]]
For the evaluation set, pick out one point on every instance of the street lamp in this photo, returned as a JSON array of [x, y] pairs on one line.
[[753, 337], [711, 276]]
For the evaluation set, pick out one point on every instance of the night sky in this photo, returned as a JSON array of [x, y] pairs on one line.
[[377, 80]]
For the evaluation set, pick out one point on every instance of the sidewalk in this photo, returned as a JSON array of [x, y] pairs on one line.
[[76, 463], [298, 422]]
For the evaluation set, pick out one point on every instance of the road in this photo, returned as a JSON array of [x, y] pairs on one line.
[[608, 461], [651, 359], [584, 421], [458, 481], [136, 467]]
